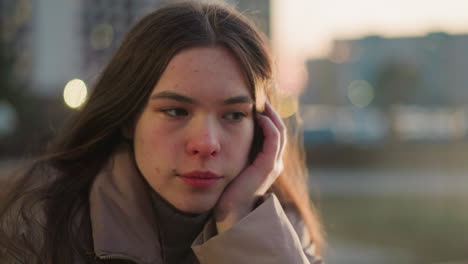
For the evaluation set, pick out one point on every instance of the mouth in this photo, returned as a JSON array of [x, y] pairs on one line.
[[200, 179]]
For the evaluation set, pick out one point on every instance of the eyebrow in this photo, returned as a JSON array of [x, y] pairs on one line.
[[241, 99]]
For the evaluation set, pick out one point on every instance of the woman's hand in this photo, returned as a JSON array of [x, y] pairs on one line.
[[239, 197]]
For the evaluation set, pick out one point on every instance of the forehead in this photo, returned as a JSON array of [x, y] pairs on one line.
[[204, 71]]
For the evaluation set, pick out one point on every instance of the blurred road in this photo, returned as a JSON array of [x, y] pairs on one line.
[[391, 182], [416, 181]]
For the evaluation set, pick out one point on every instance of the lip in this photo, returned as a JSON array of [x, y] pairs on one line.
[[200, 179]]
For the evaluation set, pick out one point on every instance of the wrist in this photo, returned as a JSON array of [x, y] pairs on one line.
[[228, 217], [226, 220]]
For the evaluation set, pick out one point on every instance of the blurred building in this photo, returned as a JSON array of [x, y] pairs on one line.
[[103, 25], [16, 63], [375, 88], [16, 24], [426, 70], [56, 44]]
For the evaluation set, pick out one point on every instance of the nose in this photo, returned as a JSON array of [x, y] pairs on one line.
[[203, 139]]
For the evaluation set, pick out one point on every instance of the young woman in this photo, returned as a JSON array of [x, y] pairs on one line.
[[177, 157]]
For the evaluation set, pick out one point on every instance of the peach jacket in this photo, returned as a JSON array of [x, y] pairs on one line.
[[123, 226]]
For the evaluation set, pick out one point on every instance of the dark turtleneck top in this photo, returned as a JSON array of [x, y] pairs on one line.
[[177, 230]]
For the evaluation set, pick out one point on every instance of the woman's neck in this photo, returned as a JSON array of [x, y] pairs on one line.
[[177, 229]]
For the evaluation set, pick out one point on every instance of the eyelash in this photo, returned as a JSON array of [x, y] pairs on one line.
[[167, 111], [241, 114]]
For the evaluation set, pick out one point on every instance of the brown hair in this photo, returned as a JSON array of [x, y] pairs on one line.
[[118, 97]]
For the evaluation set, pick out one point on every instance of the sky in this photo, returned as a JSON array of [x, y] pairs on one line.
[[307, 27]]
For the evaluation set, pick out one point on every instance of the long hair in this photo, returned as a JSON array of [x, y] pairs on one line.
[[72, 161]]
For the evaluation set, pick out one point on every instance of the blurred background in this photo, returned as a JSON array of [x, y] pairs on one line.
[[382, 88]]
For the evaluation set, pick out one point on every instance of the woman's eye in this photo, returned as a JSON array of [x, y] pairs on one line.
[[175, 112], [235, 116]]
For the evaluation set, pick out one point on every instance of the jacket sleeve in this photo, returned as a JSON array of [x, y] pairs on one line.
[[268, 235]]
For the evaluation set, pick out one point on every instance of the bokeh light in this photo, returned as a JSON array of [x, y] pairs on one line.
[[102, 36], [360, 93], [75, 93], [285, 106]]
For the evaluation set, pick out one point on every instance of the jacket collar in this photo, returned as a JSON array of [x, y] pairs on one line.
[[122, 218]]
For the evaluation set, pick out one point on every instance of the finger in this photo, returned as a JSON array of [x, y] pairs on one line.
[[271, 146], [270, 112], [276, 119]]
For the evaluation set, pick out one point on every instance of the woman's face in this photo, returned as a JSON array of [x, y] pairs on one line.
[[194, 135]]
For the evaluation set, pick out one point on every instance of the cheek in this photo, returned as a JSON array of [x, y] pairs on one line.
[[152, 138], [162, 141], [241, 140]]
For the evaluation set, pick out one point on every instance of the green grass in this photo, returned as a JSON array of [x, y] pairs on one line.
[[433, 229]]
